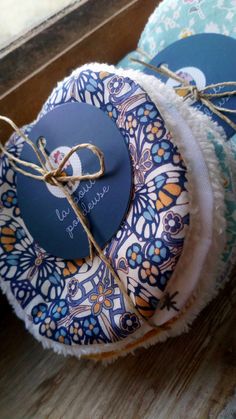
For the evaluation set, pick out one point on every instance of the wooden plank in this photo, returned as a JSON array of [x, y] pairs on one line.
[[191, 376], [43, 43], [106, 43]]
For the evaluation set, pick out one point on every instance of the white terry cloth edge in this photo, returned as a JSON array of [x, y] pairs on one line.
[[204, 292]]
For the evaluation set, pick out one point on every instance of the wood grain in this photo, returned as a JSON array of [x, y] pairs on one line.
[[107, 42], [191, 376]]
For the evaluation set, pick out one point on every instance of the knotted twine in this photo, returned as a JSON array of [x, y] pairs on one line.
[[45, 172], [197, 94]]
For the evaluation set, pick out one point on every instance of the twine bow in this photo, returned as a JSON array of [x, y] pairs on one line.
[[189, 91], [45, 172]]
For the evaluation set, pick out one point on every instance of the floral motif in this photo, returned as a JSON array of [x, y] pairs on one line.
[[76, 331], [60, 310], [131, 124], [74, 301], [172, 222], [116, 84], [62, 336], [134, 255], [147, 112], [149, 273], [48, 327], [158, 252], [9, 199], [111, 111], [91, 327], [39, 313], [161, 151], [155, 130], [101, 299], [129, 322]]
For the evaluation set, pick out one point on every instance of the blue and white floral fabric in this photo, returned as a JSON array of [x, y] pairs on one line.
[[76, 302], [177, 19]]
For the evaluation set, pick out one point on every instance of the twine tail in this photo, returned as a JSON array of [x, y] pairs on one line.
[[54, 176], [199, 95], [107, 262]]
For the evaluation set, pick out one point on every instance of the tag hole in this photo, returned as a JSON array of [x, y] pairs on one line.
[[163, 64], [42, 141]]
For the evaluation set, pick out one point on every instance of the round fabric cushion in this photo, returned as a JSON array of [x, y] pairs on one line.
[[75, 306], [173, 20]]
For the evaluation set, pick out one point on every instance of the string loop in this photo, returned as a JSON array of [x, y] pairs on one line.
[[44, 171], [199, 95]]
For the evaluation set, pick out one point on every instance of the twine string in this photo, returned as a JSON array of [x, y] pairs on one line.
[[51, 175], [201, 95]]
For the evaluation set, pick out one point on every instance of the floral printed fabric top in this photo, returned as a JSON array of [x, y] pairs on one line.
[[77, 302], [177, 19]]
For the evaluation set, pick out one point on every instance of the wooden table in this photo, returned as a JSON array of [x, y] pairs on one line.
[[191, 376]]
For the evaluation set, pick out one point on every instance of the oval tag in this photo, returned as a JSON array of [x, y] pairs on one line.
[[202, 60], [104, 202]]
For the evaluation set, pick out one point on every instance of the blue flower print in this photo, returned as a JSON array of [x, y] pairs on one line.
[[111, 111], [76, 331], [62, 336], [48, 327], [91, 327], [60, 310], [158, 252], [161, 151], [148, 273], [129, 322], [9, 199], [134, 255], [147, 113], [39, 313], [131, 124], [115, 85], [155, 130], [172, 223]]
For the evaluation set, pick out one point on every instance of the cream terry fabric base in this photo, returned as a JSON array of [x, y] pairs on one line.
[[200, 261]]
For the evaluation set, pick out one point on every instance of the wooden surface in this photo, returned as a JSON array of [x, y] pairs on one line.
[[26, 82], [191, 376]]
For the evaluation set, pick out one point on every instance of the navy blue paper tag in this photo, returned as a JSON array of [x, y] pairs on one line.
[[202, 60], [104, 202]]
